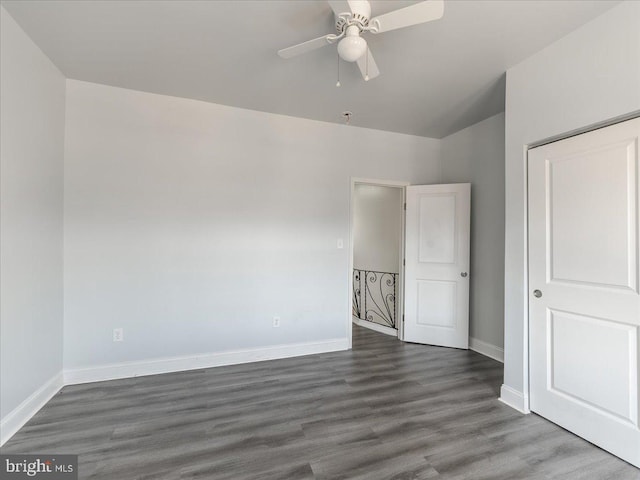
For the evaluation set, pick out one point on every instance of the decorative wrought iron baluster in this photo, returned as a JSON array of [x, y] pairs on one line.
[[379, 297], [357, 296]]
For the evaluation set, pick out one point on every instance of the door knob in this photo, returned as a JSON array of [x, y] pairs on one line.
[[537, 293], [463, 274]]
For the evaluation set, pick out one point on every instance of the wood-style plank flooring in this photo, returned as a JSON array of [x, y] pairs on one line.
[[385, 410]]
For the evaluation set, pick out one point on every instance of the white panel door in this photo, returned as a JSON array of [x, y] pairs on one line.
[[584, 305], [437, 265]]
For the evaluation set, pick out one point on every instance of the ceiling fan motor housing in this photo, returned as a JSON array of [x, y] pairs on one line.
[[359, 16]]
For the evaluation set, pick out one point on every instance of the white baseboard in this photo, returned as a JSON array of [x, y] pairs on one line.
[[194, 362], [486, 349], [375, 326], [14, 420], [514, 399]]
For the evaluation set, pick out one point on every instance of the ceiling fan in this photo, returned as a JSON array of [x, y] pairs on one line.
[[353, 18]]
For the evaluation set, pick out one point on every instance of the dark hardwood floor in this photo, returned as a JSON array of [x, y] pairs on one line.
[[385, 410]]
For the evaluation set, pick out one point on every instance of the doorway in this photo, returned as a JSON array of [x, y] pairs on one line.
[[377, 225], [432, 265]]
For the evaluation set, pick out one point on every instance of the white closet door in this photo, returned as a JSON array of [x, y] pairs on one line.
[[584, 302]]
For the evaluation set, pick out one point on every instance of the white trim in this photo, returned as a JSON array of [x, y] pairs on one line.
[[380, 183], [400, 286], [375, 326], [486, 349], [208, 360], [514, 399], [16, 418], [525, 283], [586, 129]]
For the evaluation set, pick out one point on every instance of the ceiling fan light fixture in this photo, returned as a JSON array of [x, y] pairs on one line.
[[352, 47], [353, 18]]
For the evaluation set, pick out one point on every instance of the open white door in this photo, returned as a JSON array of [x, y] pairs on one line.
[[436, 306], [584, 300]]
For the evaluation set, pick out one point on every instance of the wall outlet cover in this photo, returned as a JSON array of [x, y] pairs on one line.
[[118, 334]]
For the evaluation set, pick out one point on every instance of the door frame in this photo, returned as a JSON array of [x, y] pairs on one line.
[[526, 341], [400, 287]]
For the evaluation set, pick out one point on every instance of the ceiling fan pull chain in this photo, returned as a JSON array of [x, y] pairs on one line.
[[338, 82]]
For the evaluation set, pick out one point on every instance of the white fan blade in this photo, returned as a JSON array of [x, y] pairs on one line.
[[368, 66], [405, 17], [340, 6], [305, 47]]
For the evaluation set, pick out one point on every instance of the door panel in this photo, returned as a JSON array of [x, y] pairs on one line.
[[437, 253], [583, 262], [437, 303], [437, 228], [577, 346], [581, 189]]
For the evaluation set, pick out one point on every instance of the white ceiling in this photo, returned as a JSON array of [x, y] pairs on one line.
[[436, 78]]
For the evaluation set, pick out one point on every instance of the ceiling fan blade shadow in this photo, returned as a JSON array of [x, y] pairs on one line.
[[413, 15], [305, 47], [368, 66]]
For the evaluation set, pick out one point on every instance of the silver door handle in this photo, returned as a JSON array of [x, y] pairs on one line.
[[463, 274], [537, 293]]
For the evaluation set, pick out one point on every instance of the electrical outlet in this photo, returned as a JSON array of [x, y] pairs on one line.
[[118, 334], [276, 322], [340, 243]]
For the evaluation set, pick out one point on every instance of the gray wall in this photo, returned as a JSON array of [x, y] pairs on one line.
[[476, 155], [377, 224], [32, 97], [587, 77], [192, 224]]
